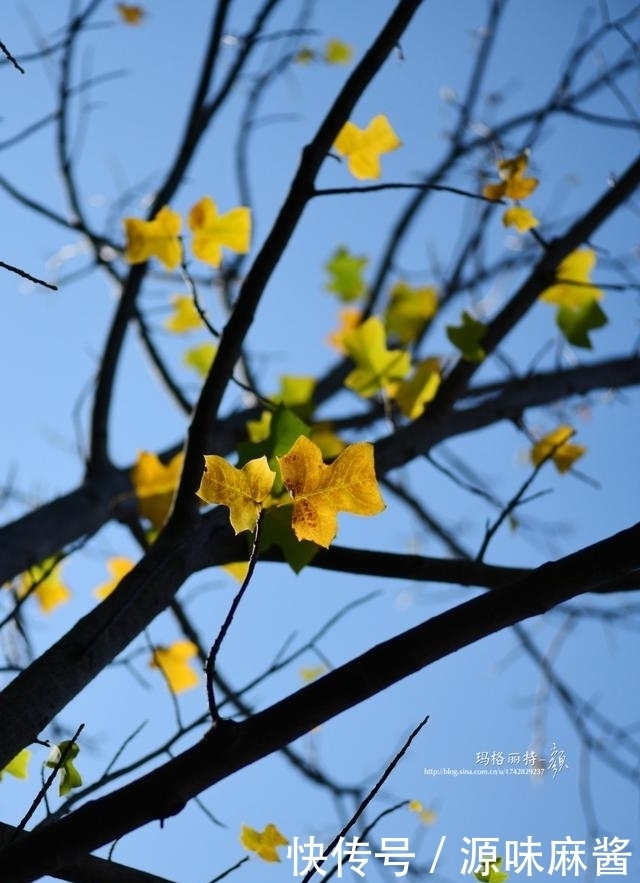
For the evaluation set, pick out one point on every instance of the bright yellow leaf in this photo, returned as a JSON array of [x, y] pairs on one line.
[[362, 148], [319, 491], [564, 454], [521, 218], [572, 288], [408, 311], [513, 184], [212, 232], [173, 662], [154, 485], [242, 491], [349, 319], [337, 52], [263, 843], [18, 767], [118, 568], [237, 569], [427, 816], [49, 590], [157, 238], [414, 394], [376, 366], [130, 15], [184, 317], [200, 358]]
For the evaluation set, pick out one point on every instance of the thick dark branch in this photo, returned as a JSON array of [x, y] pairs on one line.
[[232, 747]]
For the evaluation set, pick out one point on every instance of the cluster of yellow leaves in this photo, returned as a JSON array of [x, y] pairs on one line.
[[130, 14], [556, 445], [173, 662], [50, 590], [316, 491], [263, 843], [514, 185], [362, 148], [18, 767], [160, 237], [334, 52], [184, 319], [154, 484]]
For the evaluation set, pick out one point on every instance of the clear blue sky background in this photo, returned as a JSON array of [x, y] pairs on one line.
[[487, 697]]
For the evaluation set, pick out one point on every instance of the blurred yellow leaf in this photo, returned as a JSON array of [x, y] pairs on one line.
[[414, 394], [337, 52], [513, 184], [185, 317], [319, 491], [409, 309], [18, 767], [564, 455], [312, 673], [156, 238], [573, 287], [237, 569], [212, 232], [173, 662], [130, 15], [427, 816], [376, 367], [49, 590], [154, 485], [349, 319], [521, 218], [258, 430], [200, 358], [242, 491], [330, 444], [362, 148], [118, 567], [263, 843]]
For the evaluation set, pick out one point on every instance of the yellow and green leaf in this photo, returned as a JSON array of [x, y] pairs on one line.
[[376, 367]]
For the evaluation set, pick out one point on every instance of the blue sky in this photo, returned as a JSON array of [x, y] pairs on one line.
[[489, 697]]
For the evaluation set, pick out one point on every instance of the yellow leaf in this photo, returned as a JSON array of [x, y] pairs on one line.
[[362, 148], [157, 238], [263, 843], [413, 394], [200, 357], [18, 767], [319, 491], [212, 231], [564, 455], [118, 568], [308, 674], [185, 317], [242, 491], [427, 816], [237, 569], [513, 184], [521, 218], [130, 15], [154, 485], [376, 366], [173, 662], [330, 444], [337, 52], [572, 288], [349, 319], [49, 590], [258, 430], [409, 310]]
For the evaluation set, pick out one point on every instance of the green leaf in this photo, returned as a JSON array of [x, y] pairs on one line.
[[467, 337], [277, 531], [200, 358], [576, 323], [69, 775], [346, 274], [495, 875]]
